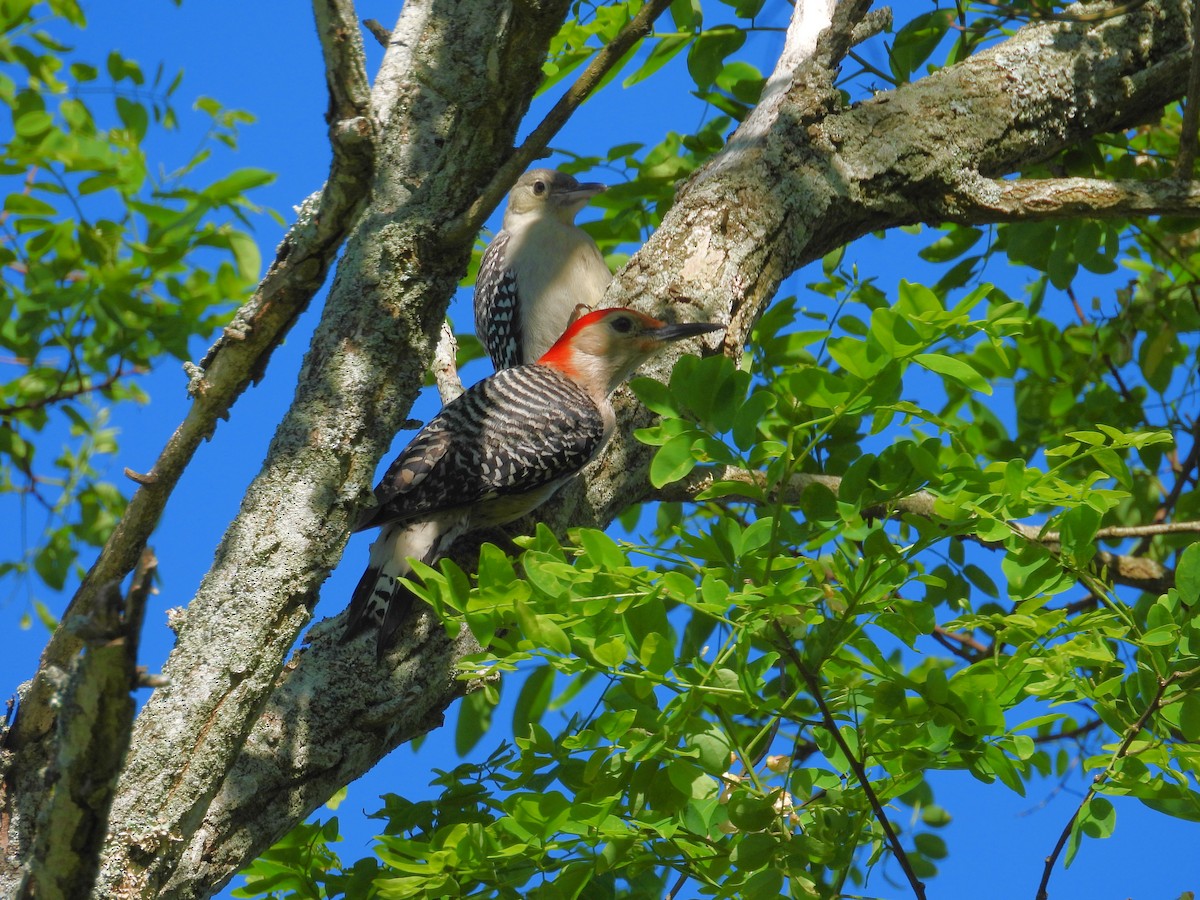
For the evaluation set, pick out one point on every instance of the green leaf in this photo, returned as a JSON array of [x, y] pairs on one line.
[[917, 40], [1189, 718], [533, 699], [707, 56], [665, 49], [25, 205], [953, 367], [234, 185], [1187, 575], [474, 719], [673, 460], [954, 242]]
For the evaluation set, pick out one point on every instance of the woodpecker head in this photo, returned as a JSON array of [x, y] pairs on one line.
[[547, 192], [601, 349]]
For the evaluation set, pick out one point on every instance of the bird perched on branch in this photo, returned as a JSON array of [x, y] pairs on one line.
[[499, 451], [537, 269]]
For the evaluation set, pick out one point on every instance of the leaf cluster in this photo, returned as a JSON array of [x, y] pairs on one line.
[[111, 268]]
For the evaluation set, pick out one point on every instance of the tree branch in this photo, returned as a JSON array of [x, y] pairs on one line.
[[71, 393], [975, 200], [234, 361], [1130, 734], [92, 739], [345, 61], [860, 772], [1131, 571], [444, 121]]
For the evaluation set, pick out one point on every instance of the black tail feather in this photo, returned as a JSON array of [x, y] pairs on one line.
[[371, 605], [365, 610], [398, 607]]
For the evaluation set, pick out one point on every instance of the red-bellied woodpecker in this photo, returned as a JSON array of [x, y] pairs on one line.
[[537, 269], [499, 451]]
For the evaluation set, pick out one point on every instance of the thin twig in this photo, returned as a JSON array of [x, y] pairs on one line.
[[61, 395], [1130, 735], [1070, 734], [964, 646], [860, 771], [1111, 366], [444, 365]]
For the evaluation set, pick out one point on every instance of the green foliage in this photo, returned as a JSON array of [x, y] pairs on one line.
[[110, 268]]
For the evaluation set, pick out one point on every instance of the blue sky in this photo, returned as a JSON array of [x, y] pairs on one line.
[[263, 57]]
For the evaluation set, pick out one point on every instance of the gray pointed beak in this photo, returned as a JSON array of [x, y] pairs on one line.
[[581, 193], [681, 330]]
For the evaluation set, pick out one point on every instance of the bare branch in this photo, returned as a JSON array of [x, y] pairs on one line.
[[445, 365], [444, 120], [1068, 735], [860, 772], [227, 370], [876, 21], [381, 34], [345, 62], [93, 735], [976, 200]]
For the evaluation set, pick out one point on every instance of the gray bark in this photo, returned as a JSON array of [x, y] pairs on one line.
[[240, 746]]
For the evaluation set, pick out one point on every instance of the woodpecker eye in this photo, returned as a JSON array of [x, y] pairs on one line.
[[539, 188], [622, 324]]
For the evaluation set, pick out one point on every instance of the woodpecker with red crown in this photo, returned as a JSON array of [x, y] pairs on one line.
[[499, 451]]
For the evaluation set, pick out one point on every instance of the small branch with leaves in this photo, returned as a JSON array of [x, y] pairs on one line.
[[1132, 571], [1156, 703], [814, 687]]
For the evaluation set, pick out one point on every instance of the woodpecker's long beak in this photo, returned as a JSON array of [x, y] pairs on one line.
[[581, 193], [681, 330]]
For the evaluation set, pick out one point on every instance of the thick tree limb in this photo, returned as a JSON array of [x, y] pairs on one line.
[[238, 358], [345, 62], [980, 200], [93, 727]]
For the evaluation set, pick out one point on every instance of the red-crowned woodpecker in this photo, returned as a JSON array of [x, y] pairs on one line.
[[499, 451], [537, 269]]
